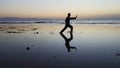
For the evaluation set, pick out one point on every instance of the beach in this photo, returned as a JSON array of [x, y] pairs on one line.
[[41, 46]]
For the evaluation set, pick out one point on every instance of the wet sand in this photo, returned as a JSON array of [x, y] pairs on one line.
[[41, 46]]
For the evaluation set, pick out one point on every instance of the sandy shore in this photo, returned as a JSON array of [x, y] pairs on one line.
[[41, 46], [57, 27]]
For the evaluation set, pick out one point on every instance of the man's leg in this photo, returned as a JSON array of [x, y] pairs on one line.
[[71, 27], [63, 29]]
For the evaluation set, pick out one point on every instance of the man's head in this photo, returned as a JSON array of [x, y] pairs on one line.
[[69, 14]]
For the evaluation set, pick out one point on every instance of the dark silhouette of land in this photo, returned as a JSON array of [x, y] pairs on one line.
[[67, 23], [67, 41]]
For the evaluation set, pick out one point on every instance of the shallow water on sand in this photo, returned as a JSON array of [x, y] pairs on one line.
[[41, 46]]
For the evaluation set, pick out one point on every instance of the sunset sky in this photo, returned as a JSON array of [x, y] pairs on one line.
[[58, 8]]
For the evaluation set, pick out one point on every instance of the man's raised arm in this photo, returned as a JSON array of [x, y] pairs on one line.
[[73, 17]]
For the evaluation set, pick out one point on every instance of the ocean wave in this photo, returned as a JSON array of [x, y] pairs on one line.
[[62, 22]]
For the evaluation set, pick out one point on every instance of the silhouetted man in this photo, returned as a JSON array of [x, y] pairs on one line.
[[67, 23]]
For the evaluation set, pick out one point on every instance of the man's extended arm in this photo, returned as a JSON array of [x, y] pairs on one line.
[[73, 17]]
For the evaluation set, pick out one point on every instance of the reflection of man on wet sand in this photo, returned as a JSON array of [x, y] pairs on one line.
[[67, 23], [67, 41]]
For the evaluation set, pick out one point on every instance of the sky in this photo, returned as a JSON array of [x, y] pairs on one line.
[[58, 8]]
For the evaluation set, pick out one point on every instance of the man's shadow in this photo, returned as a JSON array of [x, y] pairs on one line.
[[67, 42]]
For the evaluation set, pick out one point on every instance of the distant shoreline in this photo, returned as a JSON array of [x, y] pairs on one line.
[[49, 23]]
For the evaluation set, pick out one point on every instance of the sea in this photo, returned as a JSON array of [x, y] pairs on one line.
[[61, 21]]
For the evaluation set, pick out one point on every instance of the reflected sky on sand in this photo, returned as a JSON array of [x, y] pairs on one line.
[[90, 46]]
